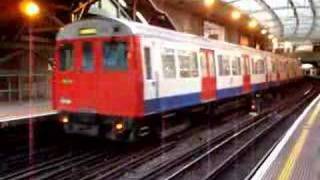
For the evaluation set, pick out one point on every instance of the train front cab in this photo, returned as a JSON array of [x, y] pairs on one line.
[[88, 73]]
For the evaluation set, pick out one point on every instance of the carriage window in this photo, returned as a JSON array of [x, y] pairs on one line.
[[188, 64], [259, 67], [115, 56], [168, 63], [87, 61], [147, 60], [66, 57], [224, 67], [236, 66]]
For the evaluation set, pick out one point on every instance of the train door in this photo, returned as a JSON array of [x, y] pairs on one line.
[[151, 77], [86, 83], [65, 75], [208, 82], [246, 75], [120, 82]]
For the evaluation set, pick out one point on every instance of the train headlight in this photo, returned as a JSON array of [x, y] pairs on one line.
[[65, 119], [65, 101], [119, 126]]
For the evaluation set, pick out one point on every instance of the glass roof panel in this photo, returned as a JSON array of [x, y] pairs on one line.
[[316, 2], [283, 11], [300, 2], [262, 16], [304, 12], [277, 3], [248, 5]]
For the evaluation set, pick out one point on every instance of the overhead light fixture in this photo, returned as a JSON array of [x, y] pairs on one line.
[[287, 44], [271, 24], [307, 66], [264, 31], [208, 3], [235, 14], [274, 40], [253, 23], [30, 8]]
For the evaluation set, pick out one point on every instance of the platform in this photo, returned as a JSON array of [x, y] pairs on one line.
[[15, 111], [297, 155]]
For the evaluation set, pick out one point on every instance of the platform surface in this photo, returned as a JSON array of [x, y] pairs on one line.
[[297, 155], [22, 110]]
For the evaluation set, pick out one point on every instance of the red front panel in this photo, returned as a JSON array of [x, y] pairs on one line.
[[121, 92], [104, 90], [246, 76], [63, 81], [208, 83], [87, 76]]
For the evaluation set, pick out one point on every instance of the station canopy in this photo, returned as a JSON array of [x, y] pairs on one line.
[[293, 20]]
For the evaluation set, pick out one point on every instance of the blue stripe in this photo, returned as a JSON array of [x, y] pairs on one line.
[[175, 102], [230, 92], [258, 87], [170, 103], [273, 83]]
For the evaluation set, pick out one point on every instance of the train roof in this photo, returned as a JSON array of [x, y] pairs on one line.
[[106, 26]]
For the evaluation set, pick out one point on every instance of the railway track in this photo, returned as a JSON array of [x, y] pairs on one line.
[[206, 161], [107, 164], [208, 166]]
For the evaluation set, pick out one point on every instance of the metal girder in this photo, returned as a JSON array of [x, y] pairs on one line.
[[11, 56], [295, 15], [314, 13], [23, 45], [273, 14]]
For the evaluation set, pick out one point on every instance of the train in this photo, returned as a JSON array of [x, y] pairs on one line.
[[115, 78]]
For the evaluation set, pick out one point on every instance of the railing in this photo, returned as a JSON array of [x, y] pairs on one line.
[[16, 86]]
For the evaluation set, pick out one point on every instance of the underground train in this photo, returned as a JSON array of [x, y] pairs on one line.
[[114, 78]]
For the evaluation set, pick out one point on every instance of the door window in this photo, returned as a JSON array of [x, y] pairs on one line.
[[212, 63], [66, 57], [87, 60], [147, 60], [246, 65], [204, 68]]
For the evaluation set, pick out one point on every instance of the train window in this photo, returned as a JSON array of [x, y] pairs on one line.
[[115, 55], [236, 66], [258, 67], [168, 63], [87, 60], [66, 57], [224, 66], [188, 64], [147, 59]]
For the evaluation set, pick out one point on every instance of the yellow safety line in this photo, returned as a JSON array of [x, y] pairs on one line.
[[295, 152]]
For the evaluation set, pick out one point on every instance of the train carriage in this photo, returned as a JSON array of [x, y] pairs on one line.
[[111, 75]]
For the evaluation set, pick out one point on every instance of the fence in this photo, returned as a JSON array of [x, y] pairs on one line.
[[16, 86]]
